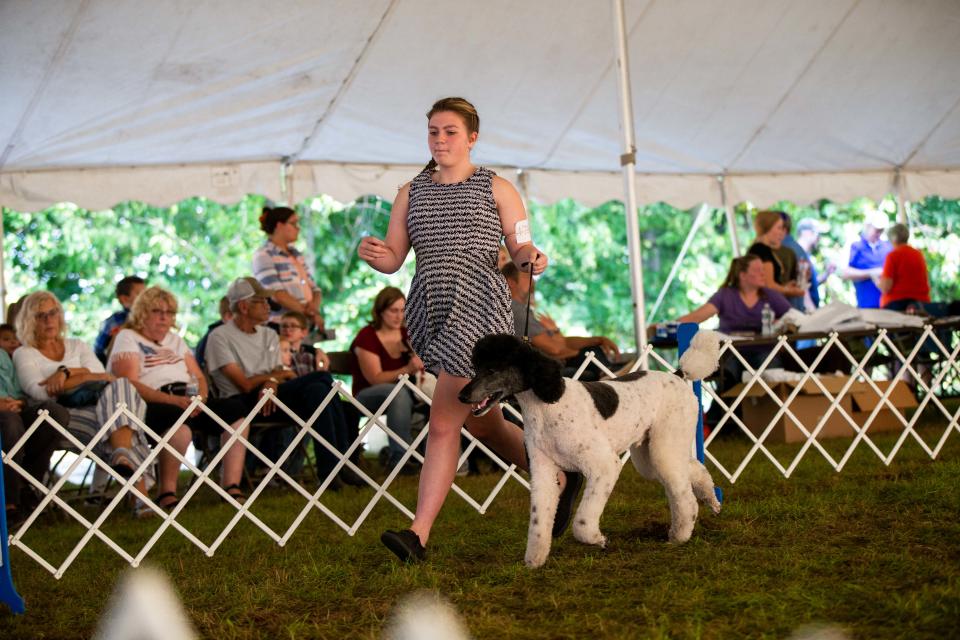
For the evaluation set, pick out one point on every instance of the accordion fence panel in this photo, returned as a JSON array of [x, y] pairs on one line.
[[942, 353]]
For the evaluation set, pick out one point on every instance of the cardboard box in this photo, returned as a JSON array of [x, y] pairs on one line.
[[758, 408]]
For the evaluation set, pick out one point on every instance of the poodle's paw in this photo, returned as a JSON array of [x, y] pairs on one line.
[[536, 558], [679, 535], [590, 537], [715, 506]]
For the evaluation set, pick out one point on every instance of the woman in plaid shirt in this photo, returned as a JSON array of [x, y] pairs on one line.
[[281, 269]]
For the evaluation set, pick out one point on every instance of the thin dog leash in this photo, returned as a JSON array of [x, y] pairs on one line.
[[526, 322]]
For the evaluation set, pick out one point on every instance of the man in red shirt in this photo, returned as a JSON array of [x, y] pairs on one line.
[[904, 281]]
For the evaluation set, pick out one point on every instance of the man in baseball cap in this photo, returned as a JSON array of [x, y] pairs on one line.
[[246, 288], [866, 259], [243, 359]]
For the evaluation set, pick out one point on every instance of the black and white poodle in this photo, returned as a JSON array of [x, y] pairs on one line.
[[586, 427]]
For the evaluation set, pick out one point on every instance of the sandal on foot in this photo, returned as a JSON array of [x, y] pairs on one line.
[[235, 492], [164, 501], [404, 544], [141, 510], [565, 506], [122, 461]]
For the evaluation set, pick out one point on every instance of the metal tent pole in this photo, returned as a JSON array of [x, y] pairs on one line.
[[628, 161], [731, 220], [3, 274], [898, 194]]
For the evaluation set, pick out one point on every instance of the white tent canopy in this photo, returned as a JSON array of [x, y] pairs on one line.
[[109, 100]]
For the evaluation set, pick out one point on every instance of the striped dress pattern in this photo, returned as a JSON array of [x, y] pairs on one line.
[[457, 295]]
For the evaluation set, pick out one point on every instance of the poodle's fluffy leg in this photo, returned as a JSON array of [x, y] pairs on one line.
[[670, 457], [544, 496], [703, 486], [640, 456], [601, 478]]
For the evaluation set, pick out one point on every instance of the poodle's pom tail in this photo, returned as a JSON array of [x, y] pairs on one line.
[[425, 616], [701, 359]]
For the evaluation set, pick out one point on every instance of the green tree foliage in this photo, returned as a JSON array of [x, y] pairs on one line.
[[349, 286], [587, 288], [935, 229], [196, 247], [193, 248]]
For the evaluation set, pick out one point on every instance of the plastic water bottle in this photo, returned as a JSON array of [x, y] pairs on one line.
[[193, 386], [766, 320]]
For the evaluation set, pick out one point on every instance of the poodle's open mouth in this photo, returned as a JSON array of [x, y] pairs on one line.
[[482, 407]]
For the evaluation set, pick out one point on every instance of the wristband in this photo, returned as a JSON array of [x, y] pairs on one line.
[[273, 380], [64, 371]]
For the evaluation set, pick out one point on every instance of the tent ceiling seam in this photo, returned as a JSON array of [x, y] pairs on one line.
[[793, 85], [54, 64], [344, 86], [929, 135], [589, 95], [174, 41]]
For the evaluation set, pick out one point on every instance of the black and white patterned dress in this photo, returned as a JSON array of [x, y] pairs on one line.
[[457, 295]]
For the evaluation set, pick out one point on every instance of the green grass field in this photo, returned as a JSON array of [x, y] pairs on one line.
[[874, 550]]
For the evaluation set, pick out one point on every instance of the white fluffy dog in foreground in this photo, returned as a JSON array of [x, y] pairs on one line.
[[586, 426]]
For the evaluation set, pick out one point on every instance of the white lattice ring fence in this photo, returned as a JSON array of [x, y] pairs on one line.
[[885, 357]]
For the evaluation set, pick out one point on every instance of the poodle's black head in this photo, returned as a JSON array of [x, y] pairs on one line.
[[506, 366]]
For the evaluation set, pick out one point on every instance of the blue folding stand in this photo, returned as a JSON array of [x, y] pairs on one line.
[[7, 593], [685, 333]]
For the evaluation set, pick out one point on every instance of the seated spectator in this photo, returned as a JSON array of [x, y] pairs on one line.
[[158, 363], [904, 282], [739, 305], [867, 256], [52, 367], [8, 339], [739, 302], [16, 416], [281, 269], [12, 309], [286, 353], [779, 274], [243, 358], [379, 355], [225, 316], [547, 337], [303, 358], [127, 291]]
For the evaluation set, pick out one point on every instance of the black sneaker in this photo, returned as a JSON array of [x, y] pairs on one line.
[[405, 544], [565, 507], [351, 478]]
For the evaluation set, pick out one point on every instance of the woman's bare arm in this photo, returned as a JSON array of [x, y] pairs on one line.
[[699, 315], [513, 218]]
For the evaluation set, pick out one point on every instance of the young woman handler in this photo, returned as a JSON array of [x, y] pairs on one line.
[[454, 215]]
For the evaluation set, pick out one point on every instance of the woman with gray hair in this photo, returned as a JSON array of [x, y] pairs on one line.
[[51, 366]]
